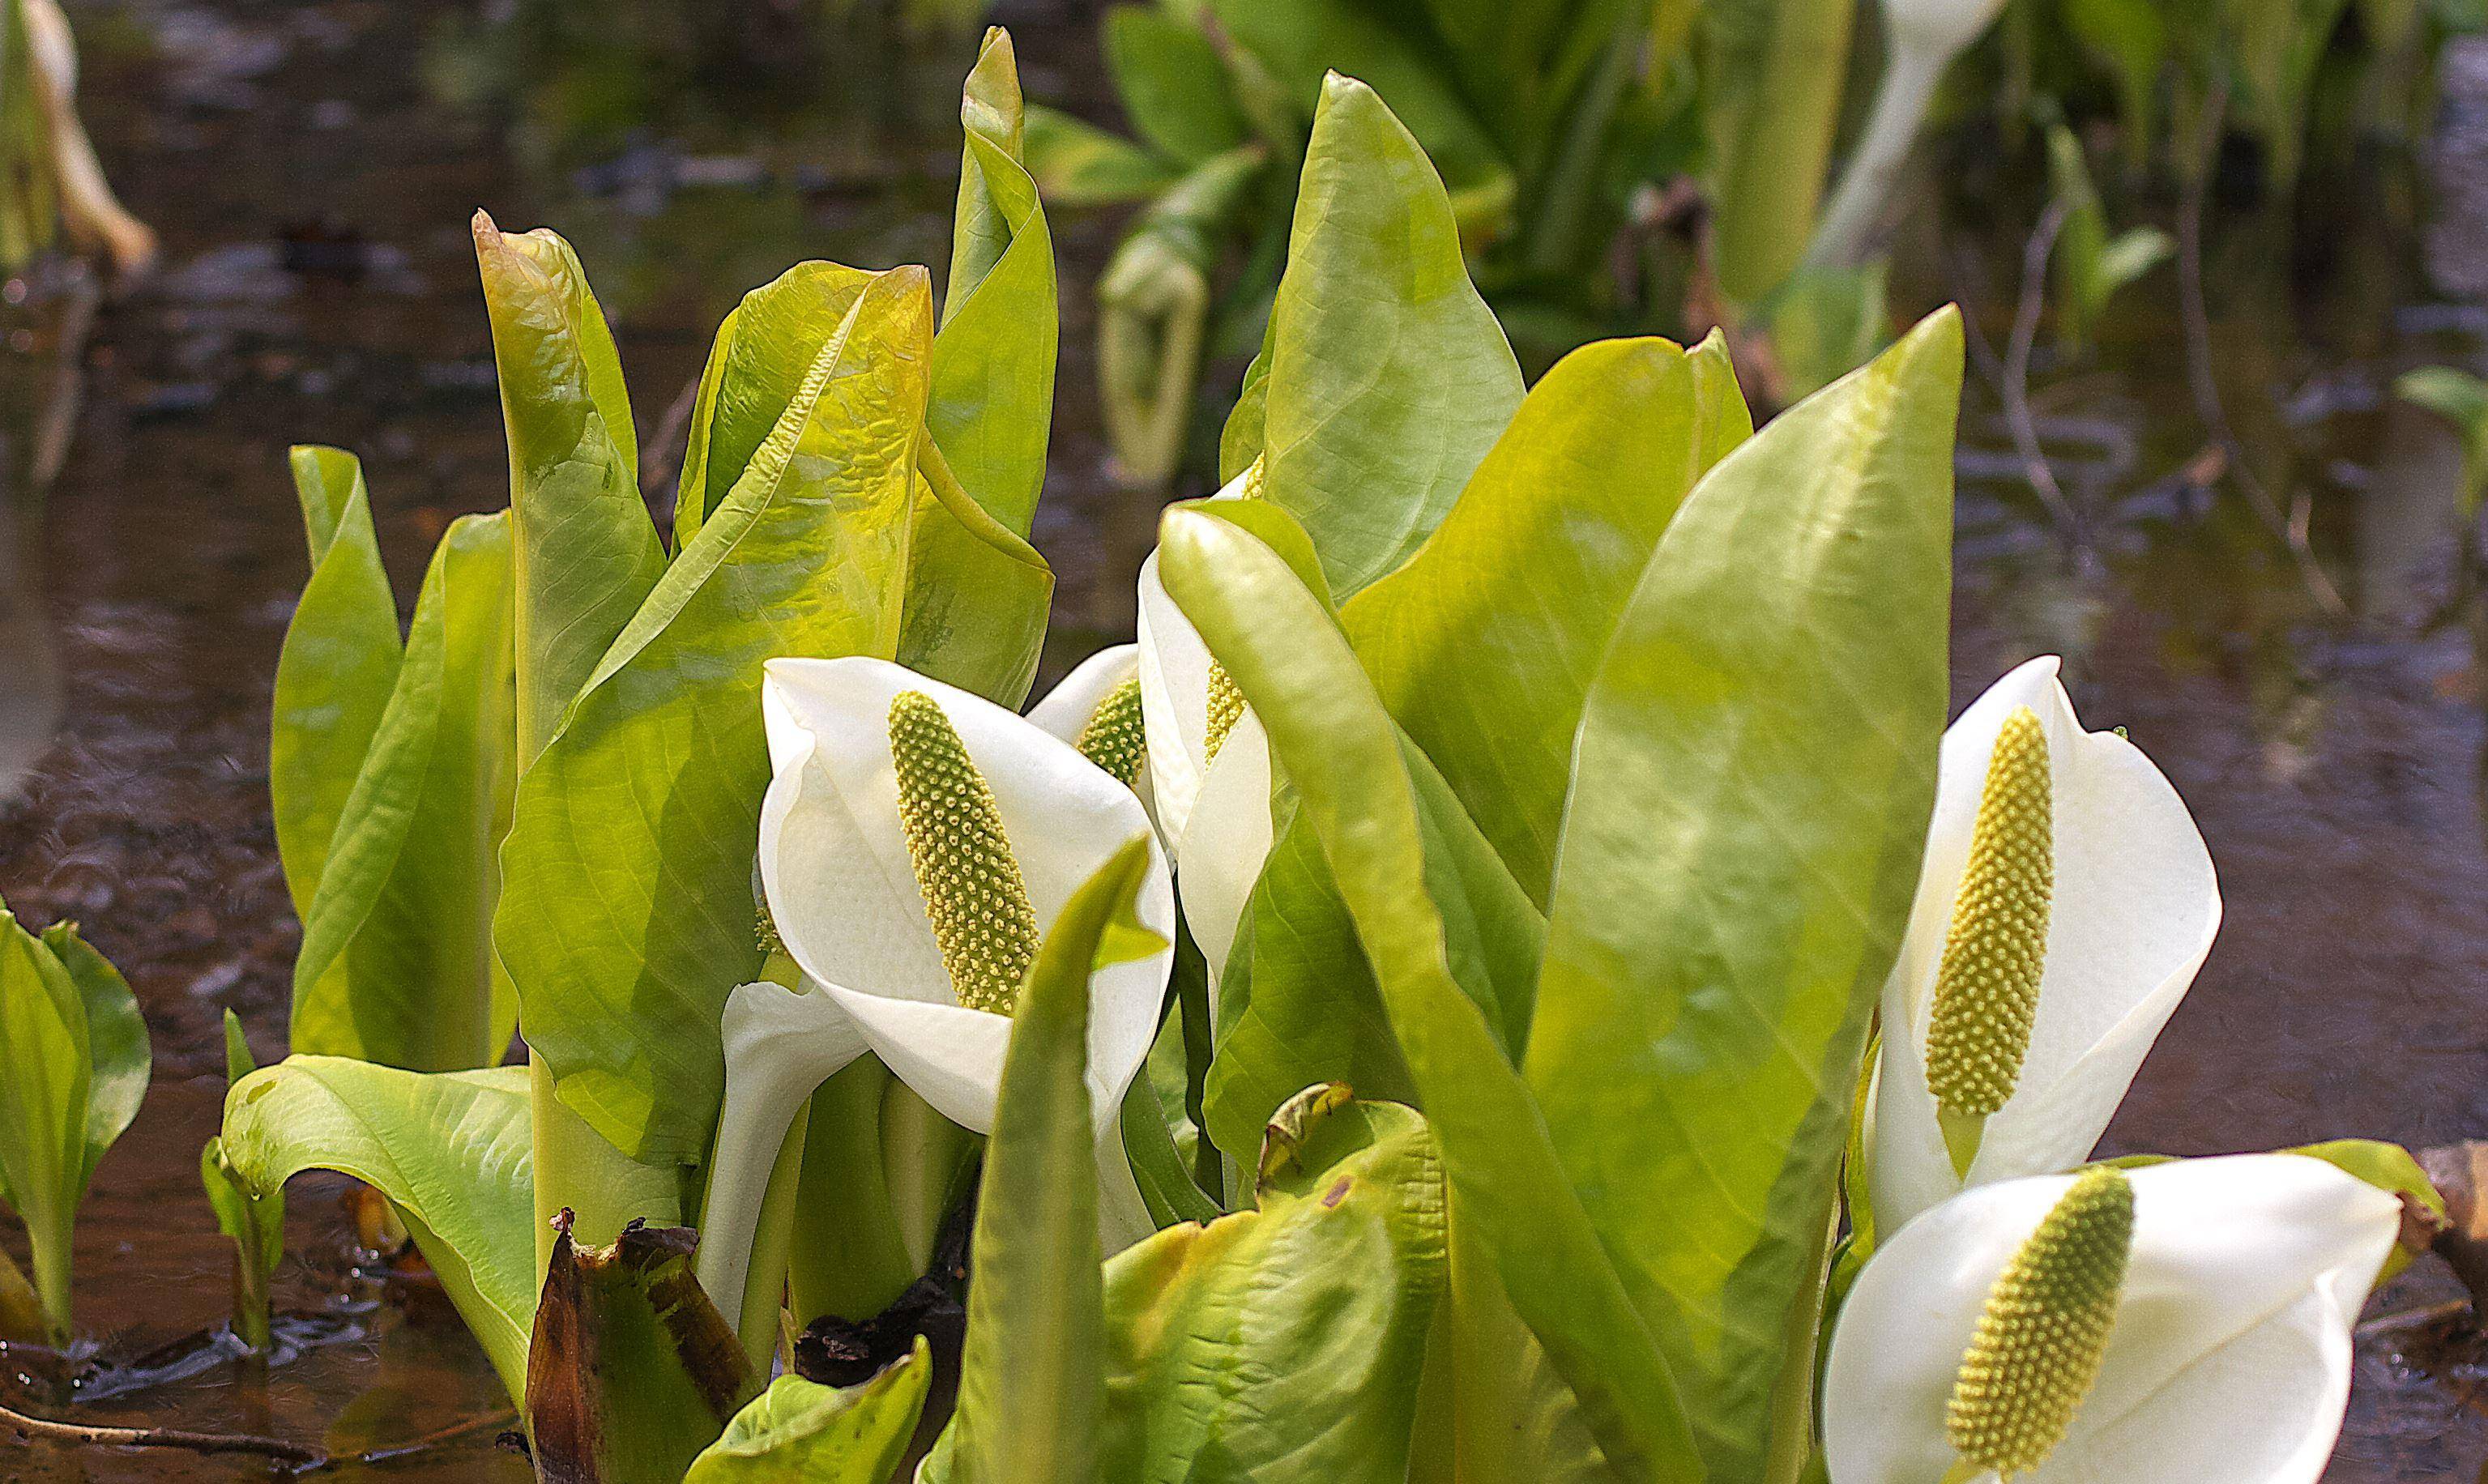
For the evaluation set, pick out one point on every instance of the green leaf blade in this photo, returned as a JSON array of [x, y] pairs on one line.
[[1756, 770], [623, 920], [1329, 730], [1483, 644]]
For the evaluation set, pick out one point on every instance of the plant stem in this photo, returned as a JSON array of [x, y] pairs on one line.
[[1845, 239], [48, 1241], [848, 1258], [764, 1281], [924, 1156]]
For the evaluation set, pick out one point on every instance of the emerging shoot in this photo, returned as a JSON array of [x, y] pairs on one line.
[[973, 889], [2045, 1329], [1987, 985]]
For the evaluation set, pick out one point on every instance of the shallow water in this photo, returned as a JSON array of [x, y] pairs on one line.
[[312, 168]]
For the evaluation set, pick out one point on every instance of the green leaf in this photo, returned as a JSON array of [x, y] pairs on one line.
[[1166, 1188], [631, 1372], [801, 1432], [585, 552], [978, 594], [252, 1220], [1483, 643], [1030, 1395], [449, 1149], [118, 1053], [1755, 772], [1387, 377], [1172, 84], [764, 349], [625, 919], [1329, 730], [44, 1106], [1077, 164], [334, 674], [993, 362], [1773, 72], [2462, 400], [1286, 1342], [397, 963]]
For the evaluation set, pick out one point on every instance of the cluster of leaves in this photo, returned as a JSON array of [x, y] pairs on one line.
[[1601, 738]]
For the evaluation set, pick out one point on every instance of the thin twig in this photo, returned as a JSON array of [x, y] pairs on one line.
[[2291, 527], [433, 1440], [2412, 1319], [2017, 367], [293, 1454]]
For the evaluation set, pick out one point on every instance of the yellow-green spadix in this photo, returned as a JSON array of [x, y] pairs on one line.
[[995, 795], [2186, 1323], [2073, 924]]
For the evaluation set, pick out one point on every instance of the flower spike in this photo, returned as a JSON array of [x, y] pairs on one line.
[[1986, 989], [2045, 1329], [974, 893]]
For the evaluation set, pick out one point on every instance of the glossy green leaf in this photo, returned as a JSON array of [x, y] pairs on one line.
[[1166, 1186], [397, 963], [252, 1220], [1387, 377], [1173, 86], [632, 1373], [763, 351], [1773, 72], [119, 1054], [334, 674], [1030, 1389], [1077, 164], [584, 552], [1329, 730], [993, 362], [625, 919], [1483, 643], [449, 1149], [77, 1052], [801, 1432], [978, 594], [1283, 1342], [1755, 772]]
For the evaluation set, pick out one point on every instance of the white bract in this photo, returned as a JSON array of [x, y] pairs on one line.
[[2227, 1346], [2122, 928], [842, 890], [1208, 765]]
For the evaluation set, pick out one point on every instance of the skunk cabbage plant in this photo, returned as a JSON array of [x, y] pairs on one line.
[[78, 1062], [1552, 782], [2185, 1320]]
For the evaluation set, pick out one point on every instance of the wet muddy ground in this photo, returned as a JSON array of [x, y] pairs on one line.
[[312, 167]]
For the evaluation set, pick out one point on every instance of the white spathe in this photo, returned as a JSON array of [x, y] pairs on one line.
[[2136, 907], [1214, 812], [841, 888], [2230, 1356], [1066, 708]]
